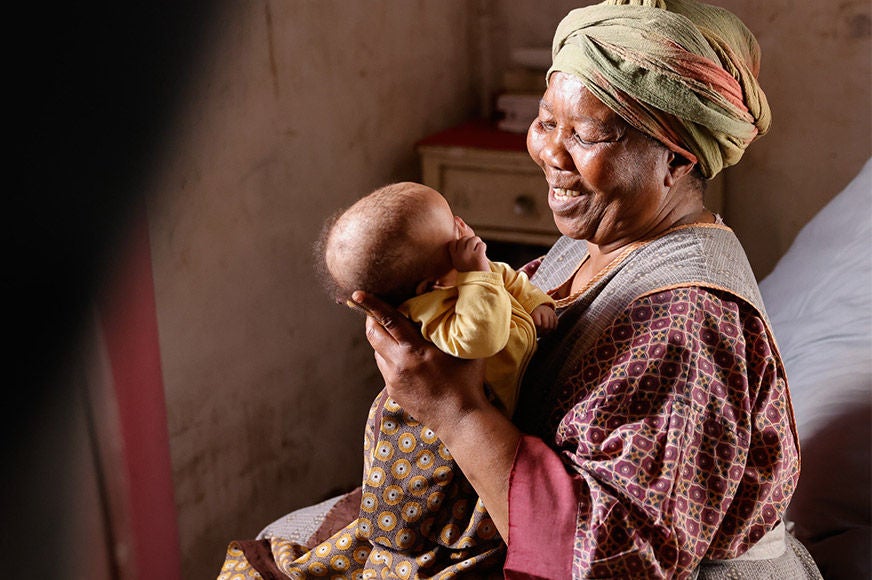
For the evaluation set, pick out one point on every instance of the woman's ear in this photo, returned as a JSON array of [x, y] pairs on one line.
[[678, 167]]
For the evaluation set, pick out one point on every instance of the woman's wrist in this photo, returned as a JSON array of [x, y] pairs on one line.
[[454, 409], [479, 428]]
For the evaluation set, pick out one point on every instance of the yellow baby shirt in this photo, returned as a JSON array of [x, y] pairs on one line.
[[484, 315]]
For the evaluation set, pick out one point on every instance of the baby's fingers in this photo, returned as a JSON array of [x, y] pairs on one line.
[[473, 245], [463, 227]]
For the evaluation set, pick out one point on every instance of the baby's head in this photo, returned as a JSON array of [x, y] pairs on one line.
[[391, 243]]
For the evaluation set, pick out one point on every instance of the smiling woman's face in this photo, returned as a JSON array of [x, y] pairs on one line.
[[609, 183]]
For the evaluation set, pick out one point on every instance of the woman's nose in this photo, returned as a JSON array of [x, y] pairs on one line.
[[554, 153]]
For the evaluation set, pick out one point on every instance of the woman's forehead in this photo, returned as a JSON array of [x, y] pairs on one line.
[[567, 97]]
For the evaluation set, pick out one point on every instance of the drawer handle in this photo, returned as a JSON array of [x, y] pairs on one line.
[[524, 205]]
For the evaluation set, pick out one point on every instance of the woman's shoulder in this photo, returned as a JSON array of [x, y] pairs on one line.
[[707, 255], [692, 298], [685, 308]]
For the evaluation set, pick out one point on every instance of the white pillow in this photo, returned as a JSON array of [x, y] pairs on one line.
[[819, 299]]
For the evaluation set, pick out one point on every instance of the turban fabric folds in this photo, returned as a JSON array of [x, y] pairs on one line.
[[683, 72]]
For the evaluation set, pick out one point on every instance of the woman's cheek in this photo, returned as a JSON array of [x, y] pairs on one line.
[[534, 143]]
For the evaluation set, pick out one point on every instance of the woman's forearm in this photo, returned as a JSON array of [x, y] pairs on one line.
[[483, 442]]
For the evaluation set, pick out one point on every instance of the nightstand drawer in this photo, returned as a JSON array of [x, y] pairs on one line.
[[501, 194], [500, 204]]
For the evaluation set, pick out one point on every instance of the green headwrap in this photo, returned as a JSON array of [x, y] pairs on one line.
[[680, 71]]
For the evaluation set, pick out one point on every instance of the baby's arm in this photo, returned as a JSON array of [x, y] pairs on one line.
[[545, 318], [540, 306], [468, 320]]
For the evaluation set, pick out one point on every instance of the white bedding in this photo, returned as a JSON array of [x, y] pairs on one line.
[[819, 299]]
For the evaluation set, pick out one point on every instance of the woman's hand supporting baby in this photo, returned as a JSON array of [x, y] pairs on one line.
[[447, 394]]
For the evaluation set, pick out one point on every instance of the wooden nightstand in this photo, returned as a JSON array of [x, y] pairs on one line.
[[491, 182]]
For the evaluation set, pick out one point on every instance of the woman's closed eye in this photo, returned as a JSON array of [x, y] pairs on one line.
[[595, 138], [546, 124], [578, 138]]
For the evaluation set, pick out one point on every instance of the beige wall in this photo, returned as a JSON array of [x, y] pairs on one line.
[[299, 107], [296, 109], [816, 73]]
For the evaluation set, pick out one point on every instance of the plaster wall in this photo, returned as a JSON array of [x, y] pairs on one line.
[[295, 110]]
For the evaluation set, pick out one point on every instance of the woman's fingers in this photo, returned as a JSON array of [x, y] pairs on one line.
[[393, 324], [427, 382]]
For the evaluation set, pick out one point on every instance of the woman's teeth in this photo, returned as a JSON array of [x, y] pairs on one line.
[[559, 192]]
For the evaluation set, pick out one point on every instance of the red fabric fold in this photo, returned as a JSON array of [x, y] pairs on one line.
[[542, 514]]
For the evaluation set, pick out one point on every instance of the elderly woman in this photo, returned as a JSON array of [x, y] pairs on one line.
[[655, 437]]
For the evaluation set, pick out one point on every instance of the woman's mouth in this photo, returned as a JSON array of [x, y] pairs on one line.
[[562, 194], [563, 201]]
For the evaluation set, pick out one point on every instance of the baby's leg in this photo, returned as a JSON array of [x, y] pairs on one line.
[[419, 516], [416, 505]]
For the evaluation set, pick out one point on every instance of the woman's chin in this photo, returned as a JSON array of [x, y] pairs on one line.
[[569, 227], [568, 213]]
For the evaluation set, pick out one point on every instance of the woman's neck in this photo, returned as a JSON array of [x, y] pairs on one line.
[[601, 257]]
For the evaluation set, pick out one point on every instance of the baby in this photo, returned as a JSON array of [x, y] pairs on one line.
[[419, 516], [403, 243]]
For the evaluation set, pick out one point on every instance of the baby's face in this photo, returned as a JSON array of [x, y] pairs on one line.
[[437, 228]]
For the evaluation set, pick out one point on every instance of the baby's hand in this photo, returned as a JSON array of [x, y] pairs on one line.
[[545, 319], [463, 229], [468, 254]]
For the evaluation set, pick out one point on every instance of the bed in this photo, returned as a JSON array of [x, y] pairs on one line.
[[819, 299]]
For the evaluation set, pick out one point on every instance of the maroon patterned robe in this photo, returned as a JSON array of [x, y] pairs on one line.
[[660, 421]]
